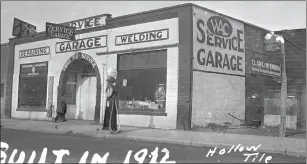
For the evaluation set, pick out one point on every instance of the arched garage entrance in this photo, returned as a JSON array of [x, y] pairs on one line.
[[80, 84]]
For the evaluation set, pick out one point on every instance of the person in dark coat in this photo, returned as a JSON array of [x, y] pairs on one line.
[[61, 110]]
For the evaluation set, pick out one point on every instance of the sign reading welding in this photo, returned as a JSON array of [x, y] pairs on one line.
[[219, 44], [147, 36]]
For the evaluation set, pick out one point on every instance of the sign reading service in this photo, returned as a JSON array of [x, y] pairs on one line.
[[90, 22], [34, 52], [60, 31], [219, 44], [147, 36], [81, 44]]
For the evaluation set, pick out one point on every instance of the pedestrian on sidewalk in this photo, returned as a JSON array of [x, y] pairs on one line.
[[61, 110]]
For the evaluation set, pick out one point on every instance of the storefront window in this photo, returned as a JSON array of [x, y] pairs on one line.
[[142, 80], [33, 85]]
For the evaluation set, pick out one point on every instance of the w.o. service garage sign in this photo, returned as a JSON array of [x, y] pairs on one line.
[[218, 44]]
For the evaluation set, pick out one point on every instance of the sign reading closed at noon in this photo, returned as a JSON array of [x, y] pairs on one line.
[[147, 36], [218, 44], [81, 44]]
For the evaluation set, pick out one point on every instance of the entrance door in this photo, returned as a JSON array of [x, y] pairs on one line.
[[87, 98]]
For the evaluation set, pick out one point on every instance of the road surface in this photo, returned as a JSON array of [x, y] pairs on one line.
[[118, 150]]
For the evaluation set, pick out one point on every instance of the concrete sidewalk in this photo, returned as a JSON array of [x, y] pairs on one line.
[[287, 146]]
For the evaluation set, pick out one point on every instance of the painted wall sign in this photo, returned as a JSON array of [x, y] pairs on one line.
[[60, 31], [34, 52], [90, 22], [79, 56], [147, 36], [265, 68], [219, 44], [34, 69], [81, 44]]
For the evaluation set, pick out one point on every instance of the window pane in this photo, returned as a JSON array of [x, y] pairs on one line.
[[138, 89], [32, 91], [142, 60], [2, 90]]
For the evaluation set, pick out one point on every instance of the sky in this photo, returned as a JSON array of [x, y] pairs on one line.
[[272, 15]]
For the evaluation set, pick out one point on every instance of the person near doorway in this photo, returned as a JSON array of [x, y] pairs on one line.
[[61, 110]]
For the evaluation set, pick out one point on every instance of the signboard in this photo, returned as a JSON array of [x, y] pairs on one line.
[[81, 44], [160, 96], [60, 31], [50, 90], [22, 29], [34, 52], [265, 68], [219, 44], [90, 22], [147, 36], [80, 56], [34, 69]]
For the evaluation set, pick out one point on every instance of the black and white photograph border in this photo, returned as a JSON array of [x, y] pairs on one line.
[[221, 82]]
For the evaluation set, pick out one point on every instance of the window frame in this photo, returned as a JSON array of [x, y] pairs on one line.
[[43, 75], [142, 111]]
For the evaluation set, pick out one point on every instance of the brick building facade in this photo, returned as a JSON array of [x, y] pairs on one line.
[[200, 58]]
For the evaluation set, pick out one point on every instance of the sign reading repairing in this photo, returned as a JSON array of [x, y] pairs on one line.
[[34, 52], [81, 44], [265, 68], [147, 36]]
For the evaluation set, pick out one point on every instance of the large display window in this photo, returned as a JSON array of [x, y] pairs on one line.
[[142, 80], [33, 86]]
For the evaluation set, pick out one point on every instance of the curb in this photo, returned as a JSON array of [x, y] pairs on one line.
[[156, 140]]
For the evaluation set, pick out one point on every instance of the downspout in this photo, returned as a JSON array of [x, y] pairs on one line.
[[191, 68]]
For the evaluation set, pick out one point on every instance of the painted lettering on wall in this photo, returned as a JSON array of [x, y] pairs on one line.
[[265, 68], [219, 44], [81, 44], [34, 52], [147, 36], [90, 22], [79, 56]]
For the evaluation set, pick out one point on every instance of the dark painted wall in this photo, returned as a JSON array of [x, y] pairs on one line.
[[7, 63]]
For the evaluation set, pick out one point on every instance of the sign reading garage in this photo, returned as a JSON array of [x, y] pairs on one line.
[[81, 44], [219, 44]]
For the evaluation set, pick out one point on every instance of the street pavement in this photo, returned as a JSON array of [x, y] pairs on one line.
[[76, 145]]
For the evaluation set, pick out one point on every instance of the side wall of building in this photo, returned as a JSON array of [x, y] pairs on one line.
[[218, 69], [4, 74]]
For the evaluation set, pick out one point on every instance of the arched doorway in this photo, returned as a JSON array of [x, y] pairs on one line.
[[76, 81]]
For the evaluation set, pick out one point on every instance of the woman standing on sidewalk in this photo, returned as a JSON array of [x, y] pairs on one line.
[[61, 110]]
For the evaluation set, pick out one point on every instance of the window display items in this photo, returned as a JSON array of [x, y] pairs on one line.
[[160, 96]]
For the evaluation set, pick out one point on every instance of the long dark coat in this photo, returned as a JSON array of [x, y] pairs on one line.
[[62, 107]]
